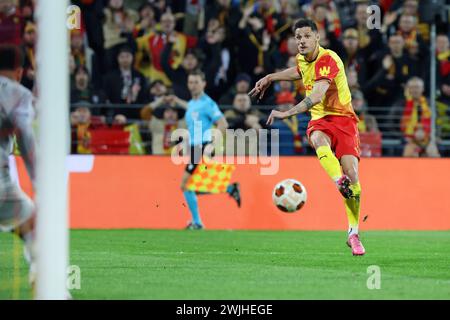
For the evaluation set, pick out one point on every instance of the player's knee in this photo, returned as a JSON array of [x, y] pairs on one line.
[[352, 173], [318, 140]]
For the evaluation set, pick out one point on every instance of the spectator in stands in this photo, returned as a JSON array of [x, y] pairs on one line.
[[80, 137], [289, 9], [327, 20], [81, 122], [352, 79], [395, 67], [443, 83], [119, 121], [415, 123], [346, 11], [126, 85], [287, 50], [193, 22], [367, 123], [77, 48], [292, 130], [72, 67], [83, 115], [420, 145], [443, 64], [29, 50], [242, 85], [216, 59], [167, 98], [178, 73], [168, 115], [407, 28], [350, 53], [27, 10], [276, 23], [281, 88], [299, 88], [226, 12], [147, 22], [81, 88], [409, 8], [253, 52], [243, 116], [92, 13], [150, 48], [161, 7], [157, 89], [118, 28], [369, 40], [11, 23]]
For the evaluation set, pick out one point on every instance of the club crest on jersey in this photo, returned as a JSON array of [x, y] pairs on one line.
[[324, 71]]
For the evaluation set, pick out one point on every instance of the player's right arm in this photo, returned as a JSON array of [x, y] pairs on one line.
[[317, 94], [289, 74]]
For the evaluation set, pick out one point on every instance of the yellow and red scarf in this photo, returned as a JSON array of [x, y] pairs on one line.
[[167, 142], [444, 62], [410, 118], [292, 124], [409, 38], [259, 46]]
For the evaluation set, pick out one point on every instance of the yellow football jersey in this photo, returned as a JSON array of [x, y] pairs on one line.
[[328, 66]]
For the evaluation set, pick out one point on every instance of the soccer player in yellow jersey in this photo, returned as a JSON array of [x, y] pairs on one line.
[[332, 131]]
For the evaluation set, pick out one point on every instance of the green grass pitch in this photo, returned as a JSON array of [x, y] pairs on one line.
[[169, 264]]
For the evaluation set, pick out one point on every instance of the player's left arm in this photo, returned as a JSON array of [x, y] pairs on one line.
[[317, 94]]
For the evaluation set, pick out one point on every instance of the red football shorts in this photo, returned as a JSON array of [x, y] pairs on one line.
[[342, 131]]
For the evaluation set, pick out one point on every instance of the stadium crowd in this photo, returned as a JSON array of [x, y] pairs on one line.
[[129, 63]]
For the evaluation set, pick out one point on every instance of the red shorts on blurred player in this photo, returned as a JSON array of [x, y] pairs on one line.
[[343, 133]]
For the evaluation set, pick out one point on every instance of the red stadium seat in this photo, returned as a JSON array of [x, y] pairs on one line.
[[110, 141], [370, 144]]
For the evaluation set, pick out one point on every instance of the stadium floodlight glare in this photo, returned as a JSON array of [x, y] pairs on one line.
[[52, 178]]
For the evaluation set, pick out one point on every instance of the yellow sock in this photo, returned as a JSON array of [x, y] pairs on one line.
[[329, 162], [352, 207]]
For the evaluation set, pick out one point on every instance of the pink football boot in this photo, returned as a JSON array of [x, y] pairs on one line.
[[356, 245]]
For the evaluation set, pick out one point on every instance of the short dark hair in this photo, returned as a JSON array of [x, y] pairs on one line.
[[301, 23], [199, 73], [157, 81], [11, 57], [191, 52], [125, 48]]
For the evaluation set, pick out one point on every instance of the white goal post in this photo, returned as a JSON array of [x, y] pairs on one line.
[[53, 147]]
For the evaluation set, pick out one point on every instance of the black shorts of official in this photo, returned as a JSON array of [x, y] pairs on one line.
[[195, 157]]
